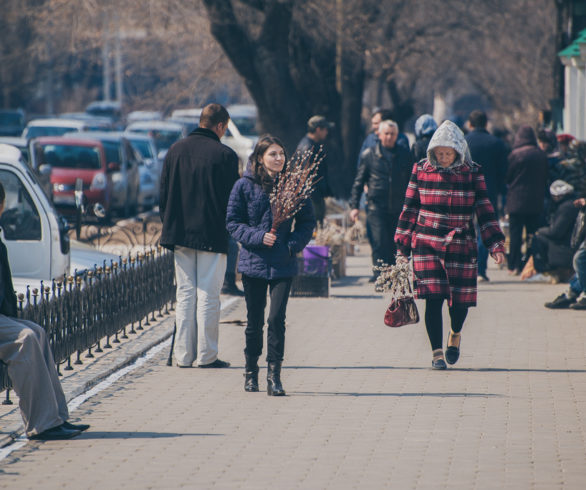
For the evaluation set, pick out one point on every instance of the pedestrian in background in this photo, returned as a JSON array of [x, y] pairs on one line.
[[318, 128], [490, 153], [385, 170], [267, 260], [575, 296], [25, 349], [196, 180], [425, 126], [526, 181], [436, 228]]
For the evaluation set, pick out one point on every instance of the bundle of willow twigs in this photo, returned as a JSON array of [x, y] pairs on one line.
[[294, 185]]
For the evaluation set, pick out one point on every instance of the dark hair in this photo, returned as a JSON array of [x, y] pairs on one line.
[[212, 115], [478, 119], [2, 194], [256, 166]]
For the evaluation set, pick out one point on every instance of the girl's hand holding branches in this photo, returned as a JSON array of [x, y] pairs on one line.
[[269, 239]]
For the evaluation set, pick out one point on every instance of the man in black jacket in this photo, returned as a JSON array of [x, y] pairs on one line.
[[385, 169], [490, 153], [25, 350], [318, 128], [196, 180]]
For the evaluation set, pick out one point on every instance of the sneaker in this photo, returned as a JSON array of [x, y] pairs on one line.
[[562, 301], [438, 364], [580, 303], [483, 278]]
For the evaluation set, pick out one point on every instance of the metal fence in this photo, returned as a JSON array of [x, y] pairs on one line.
[[92, 310]]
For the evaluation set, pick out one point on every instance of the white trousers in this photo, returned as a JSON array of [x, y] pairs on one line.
[[25, 349], [199, 276]]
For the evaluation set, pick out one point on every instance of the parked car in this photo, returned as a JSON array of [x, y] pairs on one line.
[[123, 162], [164, 133], [106, 108], [70, 158], [12, 122], [242, 145], [245, 118], [93, 123], [136, 116], [19, 142], [52, 127], [149, 169]]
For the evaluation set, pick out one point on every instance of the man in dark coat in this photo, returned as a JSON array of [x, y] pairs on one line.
[[526, 181], [490, 153], [196, 180], [318, 128], [385, 169], [25, 349]]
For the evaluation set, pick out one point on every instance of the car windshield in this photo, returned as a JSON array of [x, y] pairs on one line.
[[71, 156], [143, 147], [11, 119], [112, 149], [246, 125], [38, 131], [163, 138]]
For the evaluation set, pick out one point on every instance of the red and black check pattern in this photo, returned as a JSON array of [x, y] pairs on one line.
[[436, 225]]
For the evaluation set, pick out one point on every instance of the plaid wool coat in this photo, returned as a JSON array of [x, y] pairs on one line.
[[436, 226]]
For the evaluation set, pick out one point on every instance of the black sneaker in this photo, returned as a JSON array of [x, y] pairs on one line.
[[562, 301], [580, 304]]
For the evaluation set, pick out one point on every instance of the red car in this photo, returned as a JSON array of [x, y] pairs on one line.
[[70, 159]]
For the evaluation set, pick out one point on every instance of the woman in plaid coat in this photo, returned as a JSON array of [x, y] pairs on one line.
[[445, 192]]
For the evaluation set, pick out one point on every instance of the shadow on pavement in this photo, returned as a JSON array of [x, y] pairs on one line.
[[138, 435], [425, 368], [441, 395], [356, 296]]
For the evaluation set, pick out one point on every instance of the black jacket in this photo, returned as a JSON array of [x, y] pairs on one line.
[[196, 180], [490, 153], [387, 180], [527, 174], [322, 187], [8, 296]]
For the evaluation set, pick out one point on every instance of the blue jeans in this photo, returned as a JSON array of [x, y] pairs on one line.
[[578, 281], [482, 257]]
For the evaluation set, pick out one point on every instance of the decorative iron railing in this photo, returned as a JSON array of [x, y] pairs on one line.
[[95, 308]]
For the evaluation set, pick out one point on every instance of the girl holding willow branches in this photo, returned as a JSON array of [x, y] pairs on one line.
[[270, 240]]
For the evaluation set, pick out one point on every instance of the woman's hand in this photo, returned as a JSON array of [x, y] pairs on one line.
[[354, 214], [499, 257], [269, 239]]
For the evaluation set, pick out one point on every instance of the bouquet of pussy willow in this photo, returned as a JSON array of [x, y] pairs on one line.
[[294, 185]]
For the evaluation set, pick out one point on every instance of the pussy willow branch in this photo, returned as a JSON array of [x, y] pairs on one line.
[[294, 185]]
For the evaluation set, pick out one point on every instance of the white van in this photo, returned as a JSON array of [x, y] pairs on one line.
[[34, 232]]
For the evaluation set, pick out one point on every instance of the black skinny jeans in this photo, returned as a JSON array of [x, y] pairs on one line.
[[434, 321], [255, 294]]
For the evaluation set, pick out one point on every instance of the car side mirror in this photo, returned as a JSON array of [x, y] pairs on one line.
[[113, 167], [44, 170]]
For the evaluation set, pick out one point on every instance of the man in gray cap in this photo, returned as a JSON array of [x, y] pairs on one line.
[[318, 128]]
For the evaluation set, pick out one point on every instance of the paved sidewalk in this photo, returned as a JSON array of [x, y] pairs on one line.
[[364, 410]]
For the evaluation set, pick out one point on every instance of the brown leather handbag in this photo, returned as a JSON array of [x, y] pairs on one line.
[[402, 310]]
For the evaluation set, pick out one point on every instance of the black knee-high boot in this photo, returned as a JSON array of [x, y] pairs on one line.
[[274, 387], [251, 374]]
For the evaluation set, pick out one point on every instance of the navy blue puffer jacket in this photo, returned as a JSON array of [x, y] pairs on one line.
[[249, 217]]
